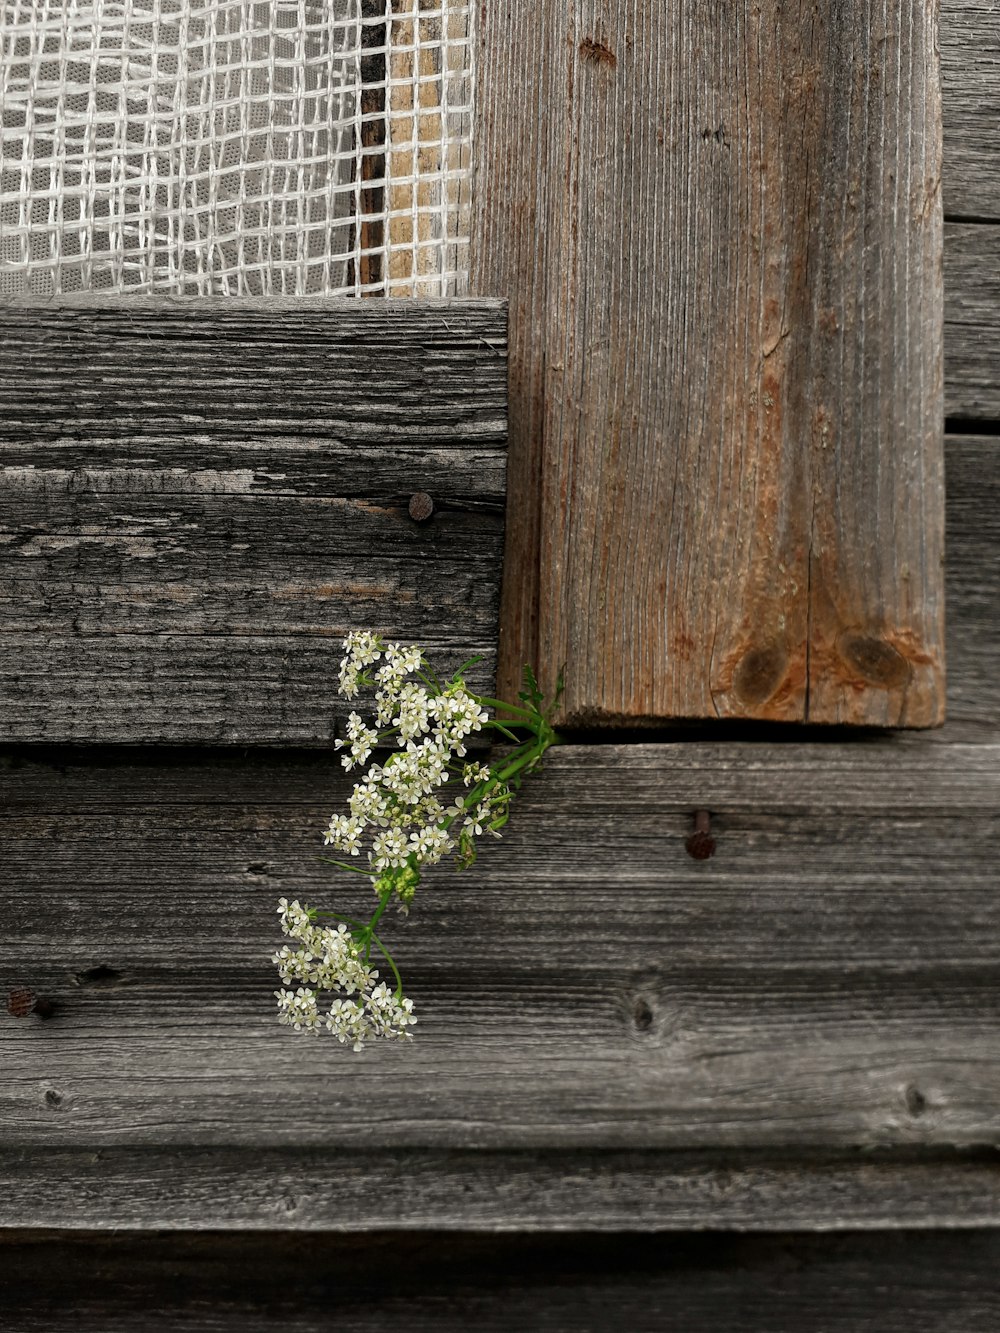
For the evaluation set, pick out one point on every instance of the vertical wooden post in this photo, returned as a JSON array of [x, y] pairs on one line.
[[423, 162], [719, 228]]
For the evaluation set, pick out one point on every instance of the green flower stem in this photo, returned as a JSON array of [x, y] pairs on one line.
[[520, 761], [348, 920], [499, 726], [466, 665], [395, 970], [430, 680], [369, 930], [527, 754], [342, 865]]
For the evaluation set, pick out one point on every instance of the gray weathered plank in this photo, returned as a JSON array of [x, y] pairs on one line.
[[970, 57], [972, 578], [725, 360], [199, 498], [972, 321], [203, 1189], [829, 979], [783, 1283]]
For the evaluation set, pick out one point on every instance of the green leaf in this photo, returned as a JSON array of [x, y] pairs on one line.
[[502, 729], [531, 695], [465, 666], [560, 687]]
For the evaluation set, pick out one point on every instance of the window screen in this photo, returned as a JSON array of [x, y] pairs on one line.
[[230, 147]]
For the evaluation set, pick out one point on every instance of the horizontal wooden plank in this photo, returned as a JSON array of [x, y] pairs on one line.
[[240, 368], [716, 1283], [972, 321], [972, 578], [200, 497], [202, 1189], [970, 53], [829, 978]]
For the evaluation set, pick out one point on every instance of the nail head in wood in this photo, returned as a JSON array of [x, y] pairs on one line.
[[421, 507], [22, 1001], [701, 844]]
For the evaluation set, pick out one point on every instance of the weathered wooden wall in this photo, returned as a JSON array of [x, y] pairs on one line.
[[863, 893]]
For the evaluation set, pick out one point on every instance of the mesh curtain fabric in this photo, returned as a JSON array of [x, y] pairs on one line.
[[227, 147]]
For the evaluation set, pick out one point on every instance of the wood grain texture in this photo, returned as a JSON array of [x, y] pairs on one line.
[[245, 476], [883, 1283], [301, 1189], [972, 321], [722, 246], [828, 980], [972, 578], [970, 54], [200, 497]]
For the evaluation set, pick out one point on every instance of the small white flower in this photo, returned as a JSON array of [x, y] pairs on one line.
[[368, 802], [347, 1021], [414, 709], [297, 1009], [295, 920], [430, 843], [363, 647], [345, 833], [389, 849], [477, 820], [389, 1016], [348, 680]]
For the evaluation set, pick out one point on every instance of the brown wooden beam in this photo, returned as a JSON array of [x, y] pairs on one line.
[[721, 241]]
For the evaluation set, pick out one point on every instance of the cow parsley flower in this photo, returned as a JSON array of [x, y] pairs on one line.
[[399, 822], [297, 1009], [362, 649]]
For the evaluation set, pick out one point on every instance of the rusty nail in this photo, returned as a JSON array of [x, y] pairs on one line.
[[701, 844], [421, 507], [22, 1001]]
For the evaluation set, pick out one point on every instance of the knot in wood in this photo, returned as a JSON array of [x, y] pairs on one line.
[[598, 52], [877, 662], [759, 673]]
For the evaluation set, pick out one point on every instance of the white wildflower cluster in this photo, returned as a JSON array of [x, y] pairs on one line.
[[396, 805], [398, 819], [327, 958]]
